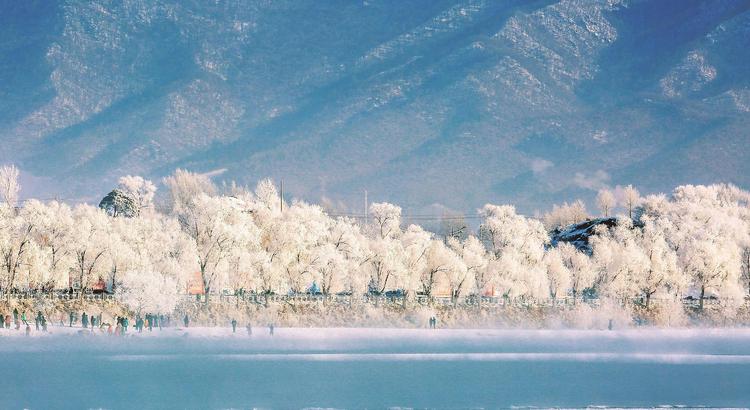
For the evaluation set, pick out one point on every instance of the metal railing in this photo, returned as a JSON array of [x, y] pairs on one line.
[[376, 300], [55, 296], [463, 301]]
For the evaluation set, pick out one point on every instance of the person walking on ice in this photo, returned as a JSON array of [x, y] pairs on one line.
[[234, 325]]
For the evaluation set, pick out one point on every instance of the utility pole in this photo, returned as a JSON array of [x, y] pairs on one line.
[[281, 197], [366, 207]]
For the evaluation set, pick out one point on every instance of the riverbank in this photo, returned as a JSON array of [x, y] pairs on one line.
[[601, 315]]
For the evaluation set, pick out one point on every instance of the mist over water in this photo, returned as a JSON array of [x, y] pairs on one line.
[[354, 368]]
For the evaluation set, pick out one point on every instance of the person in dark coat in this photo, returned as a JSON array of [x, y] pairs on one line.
[[249, 329], [186, 320], [270, 329], [234, 325], [84, 320], [15, 315], [72, 317]]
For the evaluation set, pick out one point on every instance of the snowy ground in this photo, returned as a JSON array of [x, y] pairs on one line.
[[345, 368]]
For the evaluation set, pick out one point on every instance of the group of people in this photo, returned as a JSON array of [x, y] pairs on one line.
[[149, 321], [122, 323], [249, 327], [40, 321], [433, 322]]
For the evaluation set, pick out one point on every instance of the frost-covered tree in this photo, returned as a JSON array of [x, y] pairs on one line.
[[606, 201], [184, 187], [415, 243], [218, 227], [9, 186], [385, 264], [52, 235], [661, 274], [141, 190], [516, 245], [629, 198], [441, 265], [119, 241], [565, 214], [581, 273], [340, 257], [147, 292], [302, 228], [15, 241], [89, 245], [713, 266], [558, 274], [619, 261], [386, 220], [706, 226], [473, 260]]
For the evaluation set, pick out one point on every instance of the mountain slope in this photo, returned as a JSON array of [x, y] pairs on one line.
[[454, 103]]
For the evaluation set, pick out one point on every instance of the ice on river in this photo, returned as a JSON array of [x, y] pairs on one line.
[[358, 367]]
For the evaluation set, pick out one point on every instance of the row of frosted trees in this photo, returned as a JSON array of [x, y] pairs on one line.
[[694, 242]]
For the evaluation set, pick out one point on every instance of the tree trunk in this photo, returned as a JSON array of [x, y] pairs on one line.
[[80, 285], [114, 280]]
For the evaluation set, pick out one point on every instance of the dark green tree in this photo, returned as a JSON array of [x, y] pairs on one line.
[[119, 204]]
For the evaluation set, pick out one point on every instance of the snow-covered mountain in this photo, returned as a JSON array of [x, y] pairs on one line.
[[455, 103]]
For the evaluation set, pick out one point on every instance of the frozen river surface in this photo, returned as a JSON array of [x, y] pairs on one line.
[[376, 368]]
